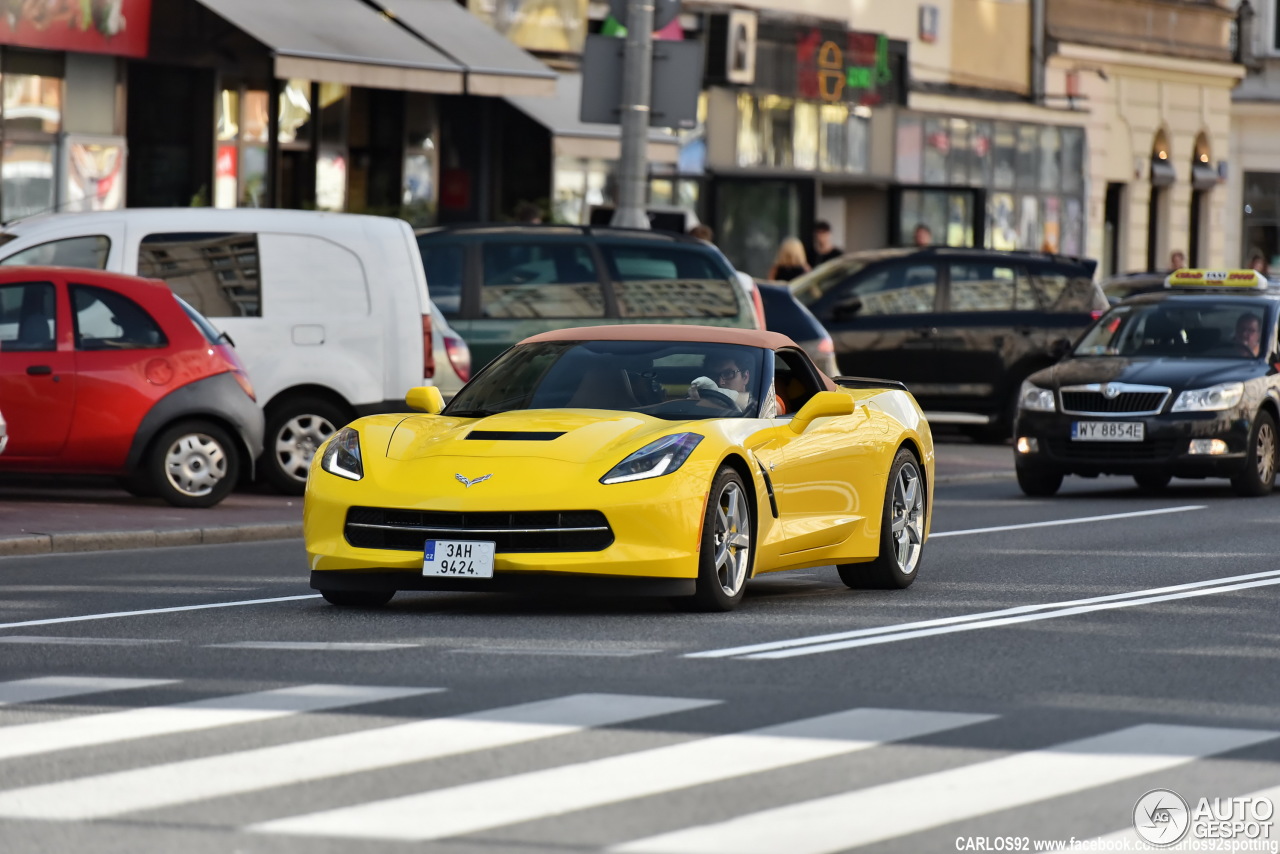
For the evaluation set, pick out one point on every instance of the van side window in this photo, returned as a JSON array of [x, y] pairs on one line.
[[218, 273], [977, 286], [667, 281], [554, 279], [106, 320], [442, 262], [87, 253], [27, 317]]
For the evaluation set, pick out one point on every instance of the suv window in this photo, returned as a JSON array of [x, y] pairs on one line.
[[106, 320], [218, 273], [87, 253], [539, 280], [1067, 290], [443, 264], [980, 286], [27, 317], [896, 289], [670, 281]]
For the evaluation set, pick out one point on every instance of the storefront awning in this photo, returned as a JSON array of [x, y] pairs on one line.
[[349, 42], [495, 65], [575, 138]]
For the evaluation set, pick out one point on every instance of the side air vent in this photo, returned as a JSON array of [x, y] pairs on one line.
[[513, 435]]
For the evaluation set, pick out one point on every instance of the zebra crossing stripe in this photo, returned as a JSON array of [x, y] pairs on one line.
[[113, 727], [540, 794], [47, 688], [913, 805], [173, 783]]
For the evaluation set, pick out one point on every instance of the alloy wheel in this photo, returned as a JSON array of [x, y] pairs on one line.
[[732, 539], [297, 441], [908, 518], [1266, 452], [195, 463]]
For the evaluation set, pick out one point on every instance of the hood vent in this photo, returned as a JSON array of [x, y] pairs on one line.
[[513, 435]]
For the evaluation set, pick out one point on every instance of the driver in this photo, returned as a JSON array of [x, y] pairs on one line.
[[729, 375], [1249, 333]]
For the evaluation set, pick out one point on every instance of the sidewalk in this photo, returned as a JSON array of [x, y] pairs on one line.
[[42, 516]]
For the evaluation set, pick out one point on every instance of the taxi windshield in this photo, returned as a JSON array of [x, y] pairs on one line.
[[1204, 329]]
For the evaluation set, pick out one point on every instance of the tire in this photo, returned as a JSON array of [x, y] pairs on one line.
[[357, 598], [295, 428], [902, 524], [1259, 473], [1039, 483], [193, 464], [727, 551], [1152, 481]]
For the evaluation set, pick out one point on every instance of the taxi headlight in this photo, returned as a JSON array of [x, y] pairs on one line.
[[1211, 399], [342, 455], [654, 459], [1036, 399]]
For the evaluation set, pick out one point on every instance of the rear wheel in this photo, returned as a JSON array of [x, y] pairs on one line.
[[726, 555], [1259, 473], [902, 525], [1039, 483], [295, 428], [358, 598], [193, 464], [1152, 481]]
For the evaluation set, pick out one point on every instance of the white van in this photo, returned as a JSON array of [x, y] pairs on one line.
[[329, 311]]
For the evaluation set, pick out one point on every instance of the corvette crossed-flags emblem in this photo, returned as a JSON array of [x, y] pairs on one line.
[[470, 483]]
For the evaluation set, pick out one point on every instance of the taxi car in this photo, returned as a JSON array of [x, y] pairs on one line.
[[1178, 383], [660, 460]]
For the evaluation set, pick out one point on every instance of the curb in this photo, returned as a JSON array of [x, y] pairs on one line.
[[38, 544]]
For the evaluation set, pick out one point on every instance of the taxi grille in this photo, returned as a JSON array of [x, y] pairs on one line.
[[532, 531], [1065, 449], [1137, 402]]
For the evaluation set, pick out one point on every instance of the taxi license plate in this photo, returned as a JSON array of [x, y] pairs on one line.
[[1107, 431], [457, 559]]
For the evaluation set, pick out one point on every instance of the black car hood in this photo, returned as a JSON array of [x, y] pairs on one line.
[[1174, 373]]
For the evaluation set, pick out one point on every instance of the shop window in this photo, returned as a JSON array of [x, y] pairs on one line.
[[1050, 165], [27, 187], [187, 262], [32, 104], [777, 130], [27, 317], [1073, 160], [858, 144], [806, 142], [1027, 168], [86, 253], [106, 320], [1002, 222], [910, 150], [958, 173], [1004, 166], [750, 146], [982, 287], [937, 142], [980, 154], [545, 280]]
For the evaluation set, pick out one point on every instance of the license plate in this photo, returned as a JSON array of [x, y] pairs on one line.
[[457, 559], [1107, 431]]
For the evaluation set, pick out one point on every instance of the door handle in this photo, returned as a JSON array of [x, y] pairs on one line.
[[39, 370]]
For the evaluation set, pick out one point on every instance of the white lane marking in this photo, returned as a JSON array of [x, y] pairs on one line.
[[966, 618], [316, 759], [1079, 521], [115, 614], [1116, 840], [1009, 621], [515, 650], [325, 646], [113, 727], [540, 794], [908, 806], [72, 641], [57, 687]]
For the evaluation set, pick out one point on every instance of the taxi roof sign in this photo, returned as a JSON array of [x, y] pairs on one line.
[[1218, 279]]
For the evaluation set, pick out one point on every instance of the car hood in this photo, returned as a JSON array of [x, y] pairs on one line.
[[569, 435], [1174, 373]]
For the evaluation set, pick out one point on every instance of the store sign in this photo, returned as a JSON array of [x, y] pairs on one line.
[[117, 27], [557, 26], [843, 67]]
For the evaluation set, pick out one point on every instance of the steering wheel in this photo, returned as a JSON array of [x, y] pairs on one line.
[[717, 397]]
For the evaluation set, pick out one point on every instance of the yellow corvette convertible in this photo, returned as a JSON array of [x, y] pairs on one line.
[[660, 460]]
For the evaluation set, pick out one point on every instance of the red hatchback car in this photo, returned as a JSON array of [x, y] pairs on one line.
[[108, 374]]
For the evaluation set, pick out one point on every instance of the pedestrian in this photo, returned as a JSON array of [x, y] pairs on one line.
[[529, 213], [923, 236], [790, 261], [823, 248], [1177, 259], [703, 232], [1259, 263]]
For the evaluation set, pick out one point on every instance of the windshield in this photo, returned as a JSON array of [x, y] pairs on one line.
[[676, 380], [810, 287], [1229, 329]]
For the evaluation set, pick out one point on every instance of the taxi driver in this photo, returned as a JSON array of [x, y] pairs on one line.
[[1249, 333]]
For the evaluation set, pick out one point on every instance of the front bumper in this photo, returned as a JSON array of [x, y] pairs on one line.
[[1165, 446]]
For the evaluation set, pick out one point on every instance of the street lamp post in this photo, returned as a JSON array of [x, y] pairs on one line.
[[634, 125]]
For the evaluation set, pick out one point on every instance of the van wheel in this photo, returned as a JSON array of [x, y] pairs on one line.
[[295, 428], [193, 464]]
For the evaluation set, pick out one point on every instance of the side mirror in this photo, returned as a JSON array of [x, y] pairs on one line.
[[824, 404], [425, 398]]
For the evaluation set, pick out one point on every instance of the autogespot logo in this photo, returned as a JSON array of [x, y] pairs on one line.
[[1161, 817]]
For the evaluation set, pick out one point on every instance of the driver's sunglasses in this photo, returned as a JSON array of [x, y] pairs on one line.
[[728, 373]]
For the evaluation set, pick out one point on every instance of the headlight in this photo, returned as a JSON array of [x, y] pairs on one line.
[[654, 459], [342, 456], [1036, 399], [1211, 399]]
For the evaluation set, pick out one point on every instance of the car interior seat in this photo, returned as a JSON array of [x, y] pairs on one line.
[[33, 333], [604, 387]]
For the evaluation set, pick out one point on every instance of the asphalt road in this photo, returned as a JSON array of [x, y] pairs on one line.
[[812, 719]]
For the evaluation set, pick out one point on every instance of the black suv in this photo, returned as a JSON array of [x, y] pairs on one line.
[[961, 327]]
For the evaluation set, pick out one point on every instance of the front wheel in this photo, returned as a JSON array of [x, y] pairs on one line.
[[726, 554], [1259, 473], [193, 464], [1039, 483], [903, 520], [295, 429], [358, 598]]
